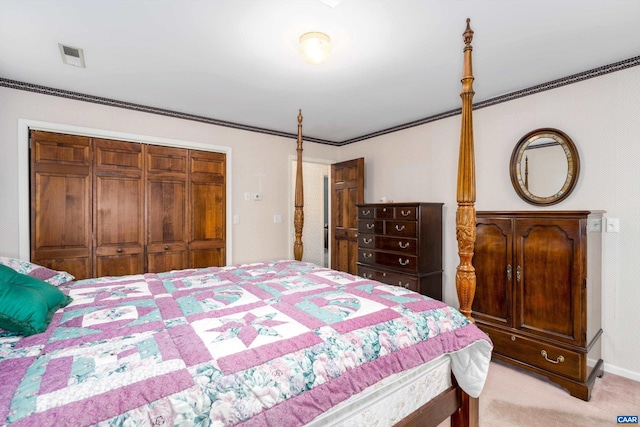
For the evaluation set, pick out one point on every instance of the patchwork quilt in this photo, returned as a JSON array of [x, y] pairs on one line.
[[267, 344]]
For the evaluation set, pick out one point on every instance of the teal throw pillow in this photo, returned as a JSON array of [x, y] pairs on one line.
[[27, 304]]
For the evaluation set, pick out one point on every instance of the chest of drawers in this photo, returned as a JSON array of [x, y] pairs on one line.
[[401, 244]]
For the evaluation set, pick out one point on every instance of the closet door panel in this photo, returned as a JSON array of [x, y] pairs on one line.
[[167, 202], [208, 209], [61, 202], [118, 208]]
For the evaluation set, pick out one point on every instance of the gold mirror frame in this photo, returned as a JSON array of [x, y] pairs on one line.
[[520, 183]]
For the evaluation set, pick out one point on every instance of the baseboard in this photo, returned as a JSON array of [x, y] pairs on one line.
[[612, 369]]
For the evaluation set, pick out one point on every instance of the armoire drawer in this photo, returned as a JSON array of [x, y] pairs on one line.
[[407, 282], [545, 356]]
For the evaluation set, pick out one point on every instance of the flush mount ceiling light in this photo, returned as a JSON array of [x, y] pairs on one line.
[[315, 47]]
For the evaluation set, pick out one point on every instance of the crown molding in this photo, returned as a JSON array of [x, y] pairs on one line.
[[575, 78]]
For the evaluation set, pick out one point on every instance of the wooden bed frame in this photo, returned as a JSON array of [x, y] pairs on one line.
[[453, 402]]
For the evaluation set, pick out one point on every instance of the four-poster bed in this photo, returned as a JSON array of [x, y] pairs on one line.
[[282, 343]]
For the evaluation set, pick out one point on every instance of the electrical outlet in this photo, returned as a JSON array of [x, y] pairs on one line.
[[257, 197]]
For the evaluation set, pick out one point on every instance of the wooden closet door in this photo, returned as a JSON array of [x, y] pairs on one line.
[[166, 208], [61, 223], [118, 208], [207, 192]]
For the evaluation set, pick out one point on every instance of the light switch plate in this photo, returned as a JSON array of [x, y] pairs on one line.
[[613, 225], [595, 225]]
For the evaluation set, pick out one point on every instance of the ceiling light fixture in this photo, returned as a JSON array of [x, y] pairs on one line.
[[315, 47]]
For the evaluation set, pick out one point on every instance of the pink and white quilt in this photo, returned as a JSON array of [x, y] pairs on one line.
[[268, 344]]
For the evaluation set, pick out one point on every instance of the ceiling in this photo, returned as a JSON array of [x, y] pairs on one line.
[[393, 61]]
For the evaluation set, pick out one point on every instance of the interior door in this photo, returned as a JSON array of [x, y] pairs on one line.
[[347, 190]]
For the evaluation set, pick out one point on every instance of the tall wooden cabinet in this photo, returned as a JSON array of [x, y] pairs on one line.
[[103, 207], [401, 244], [538, 292]]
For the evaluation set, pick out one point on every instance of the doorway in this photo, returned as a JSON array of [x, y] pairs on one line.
[[315, 232]]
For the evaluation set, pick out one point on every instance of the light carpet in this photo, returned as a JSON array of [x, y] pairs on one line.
[[513, 397]]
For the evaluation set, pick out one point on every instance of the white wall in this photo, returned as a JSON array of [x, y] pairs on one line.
[[259, 163], [602, 117]]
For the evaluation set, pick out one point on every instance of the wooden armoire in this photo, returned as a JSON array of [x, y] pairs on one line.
[[102, 207], [538, 292]]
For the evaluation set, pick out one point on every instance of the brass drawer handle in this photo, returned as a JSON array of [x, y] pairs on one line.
[[367, 212], [119, 250], [403, 245], [399, 227], [403, 262], [384, 209], [367, 255], [366, 241], [166, 248], [406, 286], [513, 337], [560, 358], [405, 213], [367, 276], [370, 226]]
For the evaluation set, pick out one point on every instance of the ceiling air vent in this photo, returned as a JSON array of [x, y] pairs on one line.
[[72, 55]]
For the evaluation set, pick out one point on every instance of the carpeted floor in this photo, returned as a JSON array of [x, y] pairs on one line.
[[516, 398]]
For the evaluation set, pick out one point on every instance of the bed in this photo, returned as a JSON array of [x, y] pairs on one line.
[[279, 343]]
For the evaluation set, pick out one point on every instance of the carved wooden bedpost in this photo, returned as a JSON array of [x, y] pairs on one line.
[[298, 219], [466, 195]]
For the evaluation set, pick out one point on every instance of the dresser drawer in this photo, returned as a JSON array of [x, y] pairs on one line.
[[407, 282], [405, 213], [542, 355], [397, 244], [400, 228], [397, 261], [366, 212], [384, 212], [366, 240], [370, 226]]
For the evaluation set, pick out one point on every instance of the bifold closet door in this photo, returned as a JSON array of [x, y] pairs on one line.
[[207, 190], [166, 208], [61, 223], [118, 208]]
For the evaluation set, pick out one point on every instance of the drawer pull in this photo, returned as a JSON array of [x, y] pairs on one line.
[[403, 262], [367, 255], [399, 227], [366, 241], [403, 245], [384, 209], [367, 212], [509, 272], [518, 273], [513, 337], [119, 250], [370, 226], [405, 213], [406, 285], [560, 358], [166, 248], [366, 276]]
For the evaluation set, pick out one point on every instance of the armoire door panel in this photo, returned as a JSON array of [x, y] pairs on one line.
[[118, 209], [492, 257], [118, 156], [547, 253]]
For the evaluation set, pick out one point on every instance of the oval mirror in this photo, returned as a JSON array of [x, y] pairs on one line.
[[544, 167]]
